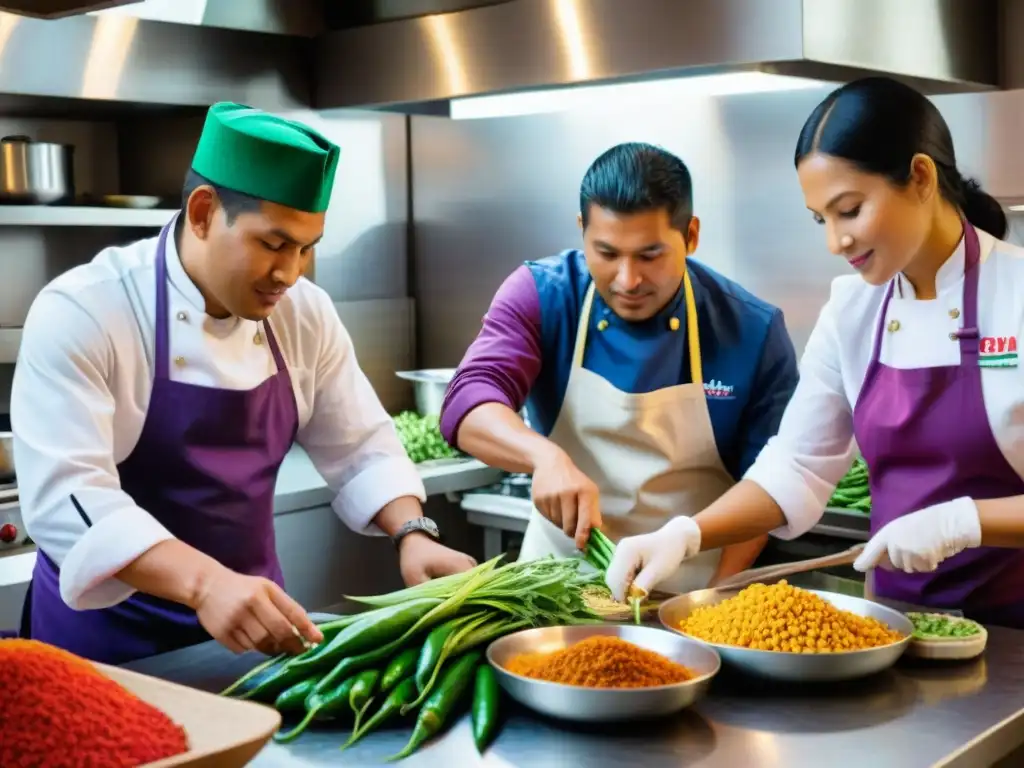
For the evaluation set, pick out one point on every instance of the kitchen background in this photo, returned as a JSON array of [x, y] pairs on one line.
[[430, 213]]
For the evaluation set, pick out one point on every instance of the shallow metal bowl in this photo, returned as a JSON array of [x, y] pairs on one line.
[[800, 667], [596, 705]]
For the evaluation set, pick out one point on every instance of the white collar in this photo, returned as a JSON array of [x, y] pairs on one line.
[[178, 277], [949, 276]]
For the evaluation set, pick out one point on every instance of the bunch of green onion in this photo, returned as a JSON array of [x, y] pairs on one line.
[[599, 553], [544, 592]]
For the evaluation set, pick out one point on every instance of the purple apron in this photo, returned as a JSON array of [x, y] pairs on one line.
[[926, 438], [205, 466]]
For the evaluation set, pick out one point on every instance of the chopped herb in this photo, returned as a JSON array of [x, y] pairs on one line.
[[932, 626]]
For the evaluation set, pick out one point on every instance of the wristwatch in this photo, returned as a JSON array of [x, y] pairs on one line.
[[419, 525]]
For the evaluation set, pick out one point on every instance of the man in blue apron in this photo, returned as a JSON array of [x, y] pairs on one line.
[[652, 381], [158, 391]]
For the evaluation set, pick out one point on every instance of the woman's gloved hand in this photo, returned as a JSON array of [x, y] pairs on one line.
[[918, 542], [645, 561]]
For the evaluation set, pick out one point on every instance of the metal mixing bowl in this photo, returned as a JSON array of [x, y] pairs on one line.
[[800, 667], [596, 705]]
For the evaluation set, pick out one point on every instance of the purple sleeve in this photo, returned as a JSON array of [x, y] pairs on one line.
[[503, 361]]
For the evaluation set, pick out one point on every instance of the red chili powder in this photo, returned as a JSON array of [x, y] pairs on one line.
[[58, 711]]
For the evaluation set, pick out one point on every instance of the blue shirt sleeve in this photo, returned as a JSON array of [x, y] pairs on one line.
[[774, 383]]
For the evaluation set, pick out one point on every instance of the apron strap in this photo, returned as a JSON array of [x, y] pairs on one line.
[[161, 348], [275, 348], [582, 326], [696, 369], [693, 335], [969, 334]]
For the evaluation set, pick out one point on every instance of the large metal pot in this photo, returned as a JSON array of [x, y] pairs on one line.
[[35, 172], [6, 457], [429, 386]]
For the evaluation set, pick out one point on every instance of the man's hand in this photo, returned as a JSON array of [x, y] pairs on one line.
[[246, 613], [566, 497], [421, 558]]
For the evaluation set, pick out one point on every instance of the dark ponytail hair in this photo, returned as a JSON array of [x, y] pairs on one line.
[[879, 124]]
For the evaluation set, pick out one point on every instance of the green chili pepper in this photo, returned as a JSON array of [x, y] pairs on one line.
[[293, 699], [316, 658], [258, 674], [371, 632], [269, 688], [251, 684], [320, 706], [454, 645], [399, 668], [441, 703], [430, 653], [351, 665], [486, 696], [404, 693], [363, 690]]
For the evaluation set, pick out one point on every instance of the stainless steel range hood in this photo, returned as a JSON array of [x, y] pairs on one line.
[[57, 9], [120, 58], [940, 46]]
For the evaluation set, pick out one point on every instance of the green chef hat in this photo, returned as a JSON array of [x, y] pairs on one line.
[[267, 157]]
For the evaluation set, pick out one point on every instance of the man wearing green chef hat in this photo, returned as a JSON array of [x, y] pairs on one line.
[[159, 388]]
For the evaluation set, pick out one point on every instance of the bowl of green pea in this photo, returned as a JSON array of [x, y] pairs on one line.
[[945, 637]]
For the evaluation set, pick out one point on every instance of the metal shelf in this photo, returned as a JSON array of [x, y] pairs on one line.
[[82, 216]]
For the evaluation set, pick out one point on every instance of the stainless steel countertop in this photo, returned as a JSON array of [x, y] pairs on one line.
[[513, 517], [913, 716], [300, 485]]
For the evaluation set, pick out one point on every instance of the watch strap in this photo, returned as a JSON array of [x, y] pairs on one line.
[[418, 525]]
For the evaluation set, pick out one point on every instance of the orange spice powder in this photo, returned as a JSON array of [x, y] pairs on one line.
[[58, 711], [601, 662]]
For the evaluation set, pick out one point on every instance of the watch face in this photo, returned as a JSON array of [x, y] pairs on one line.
[[427, 525]]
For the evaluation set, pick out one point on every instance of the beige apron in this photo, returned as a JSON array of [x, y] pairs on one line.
[[652, 456]]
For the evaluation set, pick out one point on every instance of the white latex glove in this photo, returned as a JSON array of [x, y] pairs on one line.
[[918, 542], [647, 560]]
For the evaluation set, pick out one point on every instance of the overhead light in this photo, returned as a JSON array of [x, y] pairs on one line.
[[626, 94]]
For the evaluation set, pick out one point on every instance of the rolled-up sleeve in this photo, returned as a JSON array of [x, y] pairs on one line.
[[350, 437], [802, 464], [62, 414], [503, 361]]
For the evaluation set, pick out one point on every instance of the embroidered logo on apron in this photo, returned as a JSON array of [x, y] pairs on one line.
[[716, 390], [998, 352]]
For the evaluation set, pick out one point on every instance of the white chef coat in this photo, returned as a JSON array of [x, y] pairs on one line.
[[82, 385], [801, 466]]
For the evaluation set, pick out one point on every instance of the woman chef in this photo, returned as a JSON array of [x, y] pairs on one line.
[[914, 361], [652, 381], [157, 391]]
